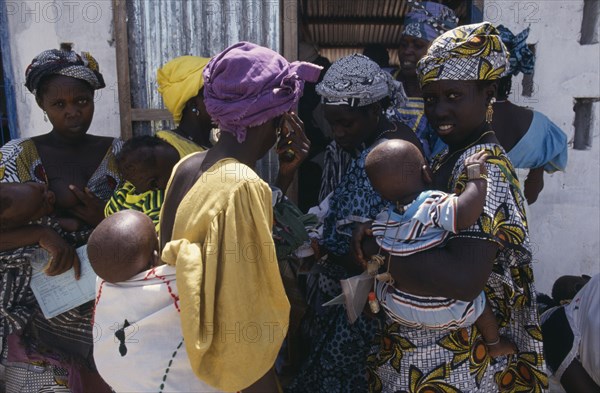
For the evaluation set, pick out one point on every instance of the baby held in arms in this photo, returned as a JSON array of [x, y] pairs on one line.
[[420, 219]]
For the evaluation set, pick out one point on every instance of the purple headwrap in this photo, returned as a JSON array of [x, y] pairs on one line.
[[428, 20], [246, 85]]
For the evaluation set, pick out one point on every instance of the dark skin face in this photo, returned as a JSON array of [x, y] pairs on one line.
[[69, 155], [69, 105], [28, 202], [410, 51], [351, 127], [456, 109], [196, 124], [150, 177]]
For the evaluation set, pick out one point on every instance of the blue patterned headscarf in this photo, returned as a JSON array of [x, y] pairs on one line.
[[428, 20], [522, 58]]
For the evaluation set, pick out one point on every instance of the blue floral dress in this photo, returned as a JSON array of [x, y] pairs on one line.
[[338, 350]]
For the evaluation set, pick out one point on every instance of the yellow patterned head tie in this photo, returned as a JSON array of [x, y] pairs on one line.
[[469, 52]]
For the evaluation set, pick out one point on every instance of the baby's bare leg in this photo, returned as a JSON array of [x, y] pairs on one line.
[[487, 325]]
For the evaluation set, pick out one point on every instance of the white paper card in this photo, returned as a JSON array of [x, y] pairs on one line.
[[61, 293], [355, 292]]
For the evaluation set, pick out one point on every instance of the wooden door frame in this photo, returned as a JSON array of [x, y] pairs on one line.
[[129, 114]]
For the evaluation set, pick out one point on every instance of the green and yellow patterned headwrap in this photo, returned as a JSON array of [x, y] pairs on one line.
[[469, 52]]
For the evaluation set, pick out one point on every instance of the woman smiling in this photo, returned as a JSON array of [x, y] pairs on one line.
[[458, 77]]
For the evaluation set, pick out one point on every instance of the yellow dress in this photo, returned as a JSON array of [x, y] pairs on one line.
[[181, 144], [234, 311]]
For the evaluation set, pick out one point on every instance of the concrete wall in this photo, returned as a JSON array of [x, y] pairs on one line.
[[34, 26], [565, 221]]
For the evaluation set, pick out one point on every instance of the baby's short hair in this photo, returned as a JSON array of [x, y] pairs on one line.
[[394, 156], [135, 144], [122, 245]]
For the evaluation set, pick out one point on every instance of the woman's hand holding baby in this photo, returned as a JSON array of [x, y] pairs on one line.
[[90, 208]]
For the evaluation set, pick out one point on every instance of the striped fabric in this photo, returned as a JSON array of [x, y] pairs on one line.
[[149, 202], [424, 224], [424, 312], [125, 198], [421, 225]]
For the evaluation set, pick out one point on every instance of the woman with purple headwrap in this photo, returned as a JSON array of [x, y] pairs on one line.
[[217, 217]]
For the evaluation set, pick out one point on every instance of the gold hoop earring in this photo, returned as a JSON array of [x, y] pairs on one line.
[[489, 113]]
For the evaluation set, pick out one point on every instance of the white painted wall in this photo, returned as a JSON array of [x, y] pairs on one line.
[[565, 221], [35, 26]]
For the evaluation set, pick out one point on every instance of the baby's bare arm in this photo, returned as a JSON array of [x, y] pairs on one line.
[[470, 203]]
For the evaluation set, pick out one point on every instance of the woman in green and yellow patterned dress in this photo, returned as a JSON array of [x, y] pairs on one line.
[[458, 77]]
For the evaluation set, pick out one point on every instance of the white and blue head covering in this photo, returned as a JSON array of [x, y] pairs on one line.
[[357, 81]]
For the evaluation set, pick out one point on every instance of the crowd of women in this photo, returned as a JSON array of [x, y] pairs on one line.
[[222, 230]]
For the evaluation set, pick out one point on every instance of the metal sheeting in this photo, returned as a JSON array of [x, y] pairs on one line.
[[336, 53], [354, 8], [159, 30], [347, 24]]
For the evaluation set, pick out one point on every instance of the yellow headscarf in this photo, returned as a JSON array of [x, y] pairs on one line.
[[179, 80]]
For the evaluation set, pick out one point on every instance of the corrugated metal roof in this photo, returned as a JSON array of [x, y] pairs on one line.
[[342, 27], [160, 30]]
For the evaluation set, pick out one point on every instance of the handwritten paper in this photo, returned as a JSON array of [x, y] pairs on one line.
[[57, 294]]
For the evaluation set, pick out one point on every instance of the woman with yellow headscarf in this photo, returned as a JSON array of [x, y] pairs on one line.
[[181, 84]]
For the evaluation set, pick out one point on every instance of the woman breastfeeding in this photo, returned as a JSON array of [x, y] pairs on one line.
[[80, 170], [355, 93], [458, 78]]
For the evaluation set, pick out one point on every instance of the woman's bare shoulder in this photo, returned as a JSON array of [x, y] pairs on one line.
[[406, 133]]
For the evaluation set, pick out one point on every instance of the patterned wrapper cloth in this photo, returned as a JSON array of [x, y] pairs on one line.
[[356, 80], [470, 52], [63, 62], [522, 59]]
